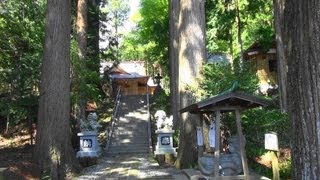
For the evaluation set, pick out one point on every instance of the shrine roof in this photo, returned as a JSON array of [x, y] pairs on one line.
[[226, 101]]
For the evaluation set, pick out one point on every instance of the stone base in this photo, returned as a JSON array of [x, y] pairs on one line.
[[88, 161], [92, 154], [165, 151], [165, 159], [229, 165]]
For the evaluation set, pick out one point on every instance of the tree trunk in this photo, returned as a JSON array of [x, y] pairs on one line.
[[53, 150], [82, 26], [302, 45], [282, 62], [191, 56], [173, 60], [238, 19]]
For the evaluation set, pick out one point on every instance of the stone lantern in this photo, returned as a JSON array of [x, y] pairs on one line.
[[164, 134], [89, 146]]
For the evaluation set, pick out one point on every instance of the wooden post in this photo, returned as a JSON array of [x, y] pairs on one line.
[[241, 144], [275, 166], [217, 144]]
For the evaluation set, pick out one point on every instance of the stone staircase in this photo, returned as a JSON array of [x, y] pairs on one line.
[[130, 133]]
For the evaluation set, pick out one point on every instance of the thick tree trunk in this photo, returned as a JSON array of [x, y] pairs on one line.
[[173, 60], [282, 62], [192, 54], [82, 27], [302, 51], [53, 150]]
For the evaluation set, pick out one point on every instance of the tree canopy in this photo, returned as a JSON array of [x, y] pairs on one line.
[[21, 39]]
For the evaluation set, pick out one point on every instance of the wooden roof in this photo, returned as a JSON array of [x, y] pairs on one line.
[[116, 69], [227, 101]]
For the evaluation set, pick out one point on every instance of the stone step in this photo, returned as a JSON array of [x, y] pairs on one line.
[[131, 129], [131, 147], [120, 136], [179, 177], [128, 141], [127, 150], [127, 132], [130, 120], [132, 125], [130, 136], [192, 173], [143, 144]]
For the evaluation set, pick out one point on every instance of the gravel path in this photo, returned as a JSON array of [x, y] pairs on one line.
[[129, 166]]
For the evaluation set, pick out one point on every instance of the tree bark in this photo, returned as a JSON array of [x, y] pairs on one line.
[[192, 54], [302, 45], [53, 150], [82, 28], [282, 62], [173, 60]]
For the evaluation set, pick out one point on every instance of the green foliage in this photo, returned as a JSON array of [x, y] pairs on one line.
[[84, 80], [256, 24], [176, 137], [21, 38], [149, 41], [113, 15], [219, 77], [257, 122], [117, 11], [286, 168], [160, 101]]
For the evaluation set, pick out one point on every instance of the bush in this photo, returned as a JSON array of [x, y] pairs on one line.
[[257, 122], [219, 77]]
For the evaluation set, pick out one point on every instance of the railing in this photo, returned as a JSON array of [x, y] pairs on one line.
[[114, 118], [149, 121]]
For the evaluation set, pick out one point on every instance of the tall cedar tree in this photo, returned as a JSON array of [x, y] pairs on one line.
[[192, 54], [282, 61], [82, 28], [53, 150], [302, 43], [173, 59]]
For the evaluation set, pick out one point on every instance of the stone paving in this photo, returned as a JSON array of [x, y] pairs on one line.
[[129, 166]]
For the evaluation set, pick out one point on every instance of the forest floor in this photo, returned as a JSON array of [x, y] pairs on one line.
[[16, 155]]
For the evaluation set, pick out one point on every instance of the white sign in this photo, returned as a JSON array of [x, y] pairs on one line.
[[212, 135], [271, 141], [199, 136]]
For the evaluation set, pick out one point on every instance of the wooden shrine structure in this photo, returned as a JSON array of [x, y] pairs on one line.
[[229, 101]]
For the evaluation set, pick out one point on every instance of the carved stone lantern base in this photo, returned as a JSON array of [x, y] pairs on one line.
[[89, 148], [165, 142]]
